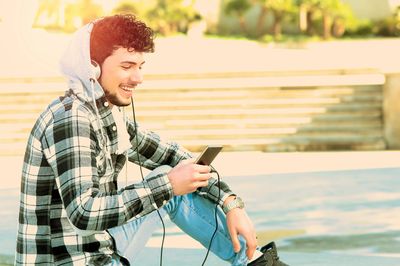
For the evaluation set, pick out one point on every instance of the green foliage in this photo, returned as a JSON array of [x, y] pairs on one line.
[[277, 5], [327, 17], [83, 10], [171, 16], [359, 28], [237, 7], [323, 17], [280, 10], [389, 27], [125, 7], [166, 17]]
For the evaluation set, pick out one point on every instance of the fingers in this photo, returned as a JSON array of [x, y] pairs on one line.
[[202, 168], [234, 237], [202, 177], [202, 180], [239, 224], [236, 244], [251, 241], [251, 247], [197, 167], [201, 184]]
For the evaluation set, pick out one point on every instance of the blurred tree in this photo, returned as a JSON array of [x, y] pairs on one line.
[[125, 7], [238, 8], [280, 9], [89, 10], [307, 12], [342, 18], [389, 27], [171, 16], [261, 17], [48, 14], [334, 14], [80, 13]]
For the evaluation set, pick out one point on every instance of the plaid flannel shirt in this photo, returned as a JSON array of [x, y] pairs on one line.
[[69, 193]]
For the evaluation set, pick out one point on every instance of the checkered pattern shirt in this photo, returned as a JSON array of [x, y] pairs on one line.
[[69, 193]]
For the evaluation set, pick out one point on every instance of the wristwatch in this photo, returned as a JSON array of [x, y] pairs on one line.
[[236, 203]]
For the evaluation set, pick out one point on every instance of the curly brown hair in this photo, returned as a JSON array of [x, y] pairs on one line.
[[112, 32]]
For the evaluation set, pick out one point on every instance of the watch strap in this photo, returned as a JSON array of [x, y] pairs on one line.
[[237, 202]]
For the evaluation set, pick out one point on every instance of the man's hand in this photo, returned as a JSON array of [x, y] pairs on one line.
[[240, 224], [187, 176]]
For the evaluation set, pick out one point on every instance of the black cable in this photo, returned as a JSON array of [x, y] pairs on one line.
[[162, 221], [141, 173], [215, 215]]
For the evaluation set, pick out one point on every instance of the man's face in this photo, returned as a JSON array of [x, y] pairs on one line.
[[120, 73]]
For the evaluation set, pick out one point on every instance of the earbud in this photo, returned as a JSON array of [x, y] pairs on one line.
[[96, 71]]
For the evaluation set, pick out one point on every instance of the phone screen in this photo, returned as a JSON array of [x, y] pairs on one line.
[[208, 155]]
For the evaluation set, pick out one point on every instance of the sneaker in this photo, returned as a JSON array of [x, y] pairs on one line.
[[269, 258]]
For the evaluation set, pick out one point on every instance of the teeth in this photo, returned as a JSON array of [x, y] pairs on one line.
[[127, 88]]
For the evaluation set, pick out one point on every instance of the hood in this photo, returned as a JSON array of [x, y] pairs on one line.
[[75, 65]]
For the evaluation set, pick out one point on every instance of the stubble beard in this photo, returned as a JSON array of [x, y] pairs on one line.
[[114, 100]]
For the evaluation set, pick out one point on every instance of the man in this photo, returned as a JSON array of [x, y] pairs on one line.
[[72, 211]]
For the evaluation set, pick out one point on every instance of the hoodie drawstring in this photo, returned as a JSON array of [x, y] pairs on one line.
[[104, 148]]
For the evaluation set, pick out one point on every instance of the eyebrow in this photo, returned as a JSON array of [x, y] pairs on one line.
[[132, 62]]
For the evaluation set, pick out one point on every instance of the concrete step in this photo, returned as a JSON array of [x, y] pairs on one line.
[[313, 112], [45, 88], [262, 123], [209, 134], [13, 148], [361, 100], [329, 103], [290, 144], [267, 96], [232, 128], [235, 133], [271, 81], [316, 143], [335, 110], [329, 142], [267, 92], [352, 79], [230, 112]]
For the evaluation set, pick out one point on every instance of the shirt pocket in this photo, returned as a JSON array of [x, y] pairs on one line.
[[104, 165]]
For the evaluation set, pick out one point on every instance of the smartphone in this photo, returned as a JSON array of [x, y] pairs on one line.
[[208, 155]]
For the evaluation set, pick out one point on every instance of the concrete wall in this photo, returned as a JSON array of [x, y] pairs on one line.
[[391, 110]]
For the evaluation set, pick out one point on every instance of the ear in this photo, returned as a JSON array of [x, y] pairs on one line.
[[96, 71]]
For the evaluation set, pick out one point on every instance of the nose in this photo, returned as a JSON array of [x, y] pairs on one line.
[[136, 76]]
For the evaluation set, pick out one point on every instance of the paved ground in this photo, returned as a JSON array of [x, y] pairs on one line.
[[328, 208], [259, 163]]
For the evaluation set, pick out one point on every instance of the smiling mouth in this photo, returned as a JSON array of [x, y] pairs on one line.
[[128, 88]]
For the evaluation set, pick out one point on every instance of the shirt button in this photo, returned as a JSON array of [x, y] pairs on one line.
[[106, 104], [114, 128]]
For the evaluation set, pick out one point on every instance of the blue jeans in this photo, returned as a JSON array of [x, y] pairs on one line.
[[192, 214]]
